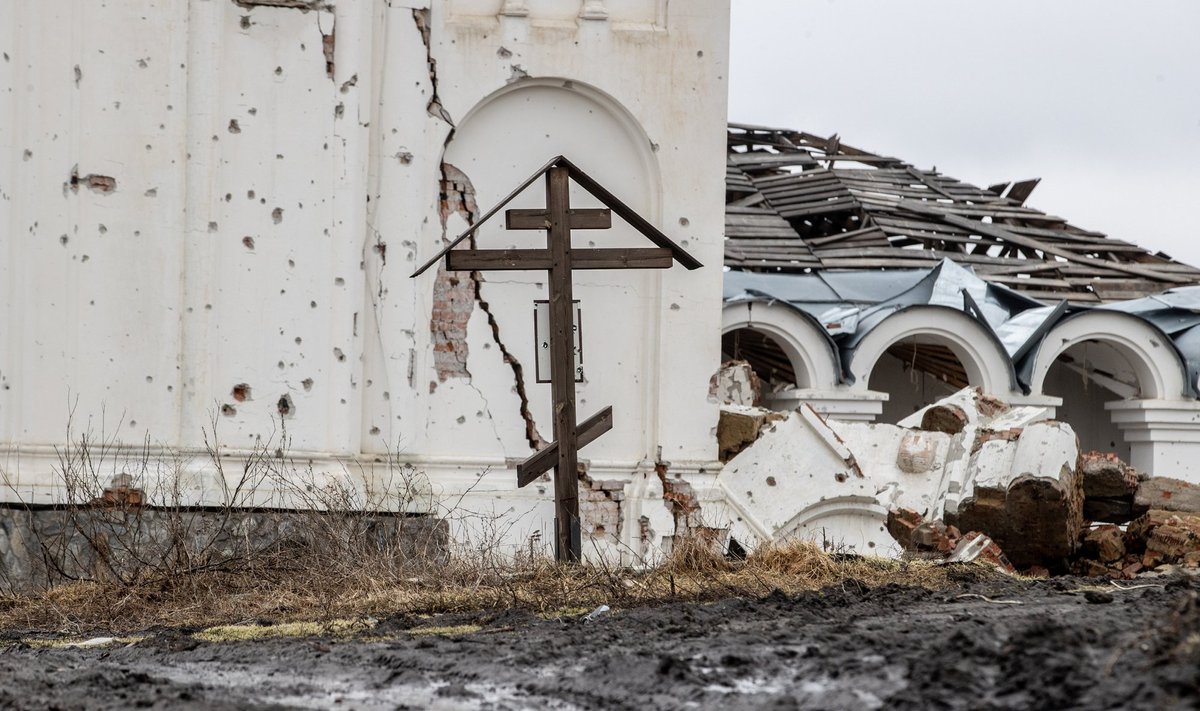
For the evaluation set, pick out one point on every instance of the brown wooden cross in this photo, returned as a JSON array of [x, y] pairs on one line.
[[560, 259]]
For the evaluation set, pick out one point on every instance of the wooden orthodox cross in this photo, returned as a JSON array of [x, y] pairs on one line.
[[559, 258]]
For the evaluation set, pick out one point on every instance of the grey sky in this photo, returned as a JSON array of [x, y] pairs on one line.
[[1100, 99]]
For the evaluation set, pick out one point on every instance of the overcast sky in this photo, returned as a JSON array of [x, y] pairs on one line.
[[1100, 99]]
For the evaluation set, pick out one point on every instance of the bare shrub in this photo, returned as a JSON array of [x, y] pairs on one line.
[[130, 517]]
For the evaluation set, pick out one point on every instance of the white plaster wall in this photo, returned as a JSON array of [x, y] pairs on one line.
[[277, 180]]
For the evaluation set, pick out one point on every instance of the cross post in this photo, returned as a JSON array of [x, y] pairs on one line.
[[562, 367], [560, 259]]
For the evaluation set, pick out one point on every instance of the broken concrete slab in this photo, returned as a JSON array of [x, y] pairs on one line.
[[1168, 494], [1109, 485], [835, 482], [948, 418], [1106, 476], [801, 480], [966, 463], [739, 426], [1027, 495]]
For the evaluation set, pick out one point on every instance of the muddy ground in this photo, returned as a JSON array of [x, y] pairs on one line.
[[1069, 643]]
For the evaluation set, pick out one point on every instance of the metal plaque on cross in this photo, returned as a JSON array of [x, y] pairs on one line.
[[541, 341]]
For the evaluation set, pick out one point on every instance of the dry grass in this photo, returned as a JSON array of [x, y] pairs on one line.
[[322, 595]]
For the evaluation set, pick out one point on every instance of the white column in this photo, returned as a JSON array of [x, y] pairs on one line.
[[1163, 435]]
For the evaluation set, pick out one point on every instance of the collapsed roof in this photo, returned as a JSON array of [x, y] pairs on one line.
[[799, 203], [848, 305]]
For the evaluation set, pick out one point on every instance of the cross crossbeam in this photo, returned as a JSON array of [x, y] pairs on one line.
[[524, 259], [580, 219], [543, 460]]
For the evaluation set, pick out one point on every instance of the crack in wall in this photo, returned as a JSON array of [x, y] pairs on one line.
[[455, 297], [434, 107], [328, 43]]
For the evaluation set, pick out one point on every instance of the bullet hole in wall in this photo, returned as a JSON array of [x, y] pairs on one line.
[[228, 410], [248, 242], [241, 392], [285, 406], [277, 215], [307, 383]]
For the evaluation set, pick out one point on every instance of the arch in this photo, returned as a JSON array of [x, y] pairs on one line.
[[557, 96], [808, 347], [1159, 368], [980, 352], [858, 523]]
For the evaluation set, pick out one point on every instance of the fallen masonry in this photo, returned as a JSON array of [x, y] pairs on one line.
[[966, 478]]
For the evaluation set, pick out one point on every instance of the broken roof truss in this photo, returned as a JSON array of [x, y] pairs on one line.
[[796, 202]]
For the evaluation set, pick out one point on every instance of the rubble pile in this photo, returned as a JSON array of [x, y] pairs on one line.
[[966, 478], [1167, 534]]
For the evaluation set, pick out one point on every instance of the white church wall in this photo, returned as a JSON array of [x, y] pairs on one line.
[[255, 185]]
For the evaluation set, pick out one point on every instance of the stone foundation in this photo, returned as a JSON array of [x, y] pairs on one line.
[[47, 546]]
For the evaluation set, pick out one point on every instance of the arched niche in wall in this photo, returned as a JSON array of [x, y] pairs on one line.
[[1100, 357], [1151, 361], [490, 391], [938, 343], [515, 130], [803, 343]]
